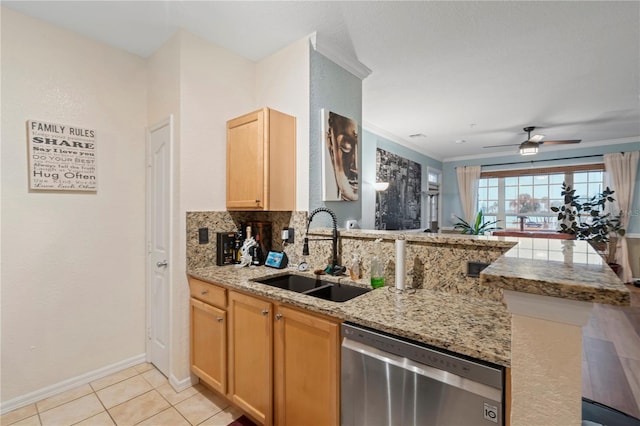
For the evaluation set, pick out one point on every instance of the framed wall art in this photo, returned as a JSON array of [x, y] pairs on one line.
[[340, 168], [400, 205], [61, 157]]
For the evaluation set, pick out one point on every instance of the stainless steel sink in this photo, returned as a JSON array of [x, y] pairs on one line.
[[315, 287]]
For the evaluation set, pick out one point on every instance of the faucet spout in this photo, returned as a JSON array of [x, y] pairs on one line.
[[335, 268]]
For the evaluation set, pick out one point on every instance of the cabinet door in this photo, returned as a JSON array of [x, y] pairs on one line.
[[250, 355], [247, 153], [209, 344], [307, 368]]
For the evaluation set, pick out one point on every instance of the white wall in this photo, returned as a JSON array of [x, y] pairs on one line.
[[215, 86], [72, 283], [73, 277], [283, 83]]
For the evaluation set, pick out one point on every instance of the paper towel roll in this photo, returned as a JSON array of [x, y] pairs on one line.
[[400, 264]]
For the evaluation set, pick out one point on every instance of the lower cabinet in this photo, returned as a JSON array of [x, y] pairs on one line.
[[282, 363], [307, 367], [250, 355], [209, 344]]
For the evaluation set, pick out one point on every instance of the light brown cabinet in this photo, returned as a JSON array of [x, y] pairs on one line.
[[250, 355], [307, 366], [283, 363], [209, 334], [261, 161]]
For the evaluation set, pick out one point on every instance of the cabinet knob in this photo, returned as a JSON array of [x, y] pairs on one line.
[[219, 319], [257, 201], [203, 292], [278, 316], [265, 312]]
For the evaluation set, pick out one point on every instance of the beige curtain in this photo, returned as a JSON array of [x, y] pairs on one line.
[[468, 178], [622, 169]]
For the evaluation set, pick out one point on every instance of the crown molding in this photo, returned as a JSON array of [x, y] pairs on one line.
[[372, 128], [353, 65], [631, 139]]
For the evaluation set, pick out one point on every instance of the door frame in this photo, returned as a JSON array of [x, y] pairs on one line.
[[148, 263]]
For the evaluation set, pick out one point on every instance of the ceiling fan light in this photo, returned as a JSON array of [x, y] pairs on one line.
[[528, 148]]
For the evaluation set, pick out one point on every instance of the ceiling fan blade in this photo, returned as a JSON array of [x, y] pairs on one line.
[[500, 146], [561, 142], [536, 138]]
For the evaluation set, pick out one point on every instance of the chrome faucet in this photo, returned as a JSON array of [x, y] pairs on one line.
[[335, 268]]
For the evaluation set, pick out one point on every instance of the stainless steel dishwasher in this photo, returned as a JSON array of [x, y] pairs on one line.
[[391, 381]]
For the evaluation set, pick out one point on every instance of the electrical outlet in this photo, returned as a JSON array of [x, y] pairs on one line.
[[291, 236], [203, 236], [474, 268]]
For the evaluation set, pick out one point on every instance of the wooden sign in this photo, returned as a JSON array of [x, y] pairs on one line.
[[61, 157]]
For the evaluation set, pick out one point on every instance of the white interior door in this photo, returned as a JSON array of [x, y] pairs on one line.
[[159, 244]]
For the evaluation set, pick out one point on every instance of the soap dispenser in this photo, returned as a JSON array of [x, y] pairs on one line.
[[377, 265]]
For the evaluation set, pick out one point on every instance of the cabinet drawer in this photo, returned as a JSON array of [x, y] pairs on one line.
[[208, 293]]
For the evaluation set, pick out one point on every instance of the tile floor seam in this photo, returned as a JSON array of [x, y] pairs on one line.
[[177, 411], [66, 402], [172, 406], [146, 418], [105, 408]]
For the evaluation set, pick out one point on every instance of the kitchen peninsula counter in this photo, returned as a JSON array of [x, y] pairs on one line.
[[462, 324], [466, 324], [567, 269]]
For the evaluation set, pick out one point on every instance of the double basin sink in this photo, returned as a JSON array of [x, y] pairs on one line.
[[315, 287]]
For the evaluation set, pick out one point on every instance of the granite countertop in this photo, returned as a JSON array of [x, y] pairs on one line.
[[567, 269], [466, 325]]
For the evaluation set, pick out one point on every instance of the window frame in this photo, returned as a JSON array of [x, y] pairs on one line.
[[502, 213]]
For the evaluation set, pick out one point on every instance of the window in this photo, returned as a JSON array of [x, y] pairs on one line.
[[526, 196], [433, 192]]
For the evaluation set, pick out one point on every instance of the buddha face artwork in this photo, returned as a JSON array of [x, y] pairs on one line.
[[340, 158]]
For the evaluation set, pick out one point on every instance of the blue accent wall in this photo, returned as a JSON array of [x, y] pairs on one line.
[[333, 88], [451, 203]]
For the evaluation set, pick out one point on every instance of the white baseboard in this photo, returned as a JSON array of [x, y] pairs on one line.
[[65, 385], [180, 385]]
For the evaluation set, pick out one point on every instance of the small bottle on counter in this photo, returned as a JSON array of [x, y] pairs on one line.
[[355, 270], [237, 246], [377, 265], [256, 254]]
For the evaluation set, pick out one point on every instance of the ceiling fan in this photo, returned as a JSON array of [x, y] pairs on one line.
[[530, 146]]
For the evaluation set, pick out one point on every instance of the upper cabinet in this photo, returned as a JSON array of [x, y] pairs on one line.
[[261, 161]]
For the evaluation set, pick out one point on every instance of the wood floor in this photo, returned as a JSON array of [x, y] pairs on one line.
[[611, 356]]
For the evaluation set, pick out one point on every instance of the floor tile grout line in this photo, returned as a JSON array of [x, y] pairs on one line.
[[105, 408]]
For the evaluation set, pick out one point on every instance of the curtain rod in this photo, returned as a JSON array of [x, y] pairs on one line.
[[540, 161]]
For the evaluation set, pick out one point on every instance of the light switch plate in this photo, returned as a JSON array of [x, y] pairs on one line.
[[203, 236]]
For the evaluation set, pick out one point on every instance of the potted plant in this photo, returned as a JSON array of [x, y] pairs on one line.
[[479, 226], [591, 221]]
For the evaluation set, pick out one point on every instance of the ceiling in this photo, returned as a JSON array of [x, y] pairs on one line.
[[451, 71]]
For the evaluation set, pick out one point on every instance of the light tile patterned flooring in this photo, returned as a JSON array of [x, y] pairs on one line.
[[139, 395]]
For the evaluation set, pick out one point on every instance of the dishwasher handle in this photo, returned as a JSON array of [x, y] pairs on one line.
[[442, 376]]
